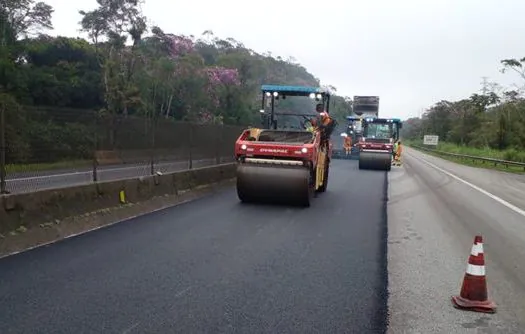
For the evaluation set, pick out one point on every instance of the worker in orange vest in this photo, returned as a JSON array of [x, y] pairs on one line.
[[323, 122], [348, 145], [399, 150]]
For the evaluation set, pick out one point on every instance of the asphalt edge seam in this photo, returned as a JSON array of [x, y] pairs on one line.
[[384, 252], [208, 190], [382, 315]]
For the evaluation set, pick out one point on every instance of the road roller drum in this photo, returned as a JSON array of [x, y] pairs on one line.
[[375, 160], [274, 184]]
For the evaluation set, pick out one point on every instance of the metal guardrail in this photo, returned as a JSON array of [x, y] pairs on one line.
[[474, 158]]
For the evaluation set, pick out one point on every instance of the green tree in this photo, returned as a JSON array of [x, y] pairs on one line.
[[494, 119], [132, 76], [116, 21]]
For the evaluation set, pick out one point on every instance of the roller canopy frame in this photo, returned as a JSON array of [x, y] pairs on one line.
[[396, 121], [295, 90], [274, 92]]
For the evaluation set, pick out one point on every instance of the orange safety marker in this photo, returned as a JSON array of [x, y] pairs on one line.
[[473, 295]]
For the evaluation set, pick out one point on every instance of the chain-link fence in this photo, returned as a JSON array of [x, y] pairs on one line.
[[43, 148]]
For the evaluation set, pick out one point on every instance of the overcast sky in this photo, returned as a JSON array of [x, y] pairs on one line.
[[412, 53]]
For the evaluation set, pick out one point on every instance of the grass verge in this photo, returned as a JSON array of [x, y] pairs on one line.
[[510, 155]]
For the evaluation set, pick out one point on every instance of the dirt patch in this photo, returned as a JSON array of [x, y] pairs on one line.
[[24, 238]]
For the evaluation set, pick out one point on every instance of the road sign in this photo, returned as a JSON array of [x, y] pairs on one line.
[[430, 140]]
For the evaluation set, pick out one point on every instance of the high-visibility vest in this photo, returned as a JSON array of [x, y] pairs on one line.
[[323, 118], [348, 141]]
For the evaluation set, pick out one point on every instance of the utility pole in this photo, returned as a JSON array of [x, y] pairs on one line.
[[3, 148], [484, 86]]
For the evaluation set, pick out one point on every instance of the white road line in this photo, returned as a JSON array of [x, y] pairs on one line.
[[100, 171], [132, 327], [475, 187], [89, 172], [180, 293], [48, 176]]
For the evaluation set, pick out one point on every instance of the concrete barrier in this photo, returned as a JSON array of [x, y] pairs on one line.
[[31, 210]]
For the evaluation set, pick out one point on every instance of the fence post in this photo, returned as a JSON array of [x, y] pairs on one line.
[[218, 144], [95, 147], [3, 148], [153, 126], [190, 144]]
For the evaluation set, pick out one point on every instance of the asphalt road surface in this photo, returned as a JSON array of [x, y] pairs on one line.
[[28, 182], [435, 209], [215, 266]]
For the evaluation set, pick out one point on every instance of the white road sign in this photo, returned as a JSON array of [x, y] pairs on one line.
[[430, 140]]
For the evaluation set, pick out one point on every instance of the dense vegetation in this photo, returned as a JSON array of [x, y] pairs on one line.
[[50, 86], [488, 124]]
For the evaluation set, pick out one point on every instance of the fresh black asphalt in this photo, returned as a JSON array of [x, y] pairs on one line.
[[215, 266]]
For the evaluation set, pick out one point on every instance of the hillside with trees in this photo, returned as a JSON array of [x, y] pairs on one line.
[[491, 123], [50, 87]]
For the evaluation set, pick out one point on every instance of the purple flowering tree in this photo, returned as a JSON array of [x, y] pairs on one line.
[[191, 90], [179, 46], [180, 75], [220, 79]]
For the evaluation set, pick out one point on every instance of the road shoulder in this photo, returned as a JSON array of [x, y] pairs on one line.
[[428, 246], [506, 185]]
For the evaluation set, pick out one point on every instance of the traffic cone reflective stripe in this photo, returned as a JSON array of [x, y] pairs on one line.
[[477, 248], [474, 270], [473, 295]]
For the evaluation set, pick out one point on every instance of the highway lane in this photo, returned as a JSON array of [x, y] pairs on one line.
[[432, 220], [508, 186], [21, 183], [215, 265]]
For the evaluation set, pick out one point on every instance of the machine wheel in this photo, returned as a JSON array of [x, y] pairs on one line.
[[361, 164], [311, 191], [243, 197]]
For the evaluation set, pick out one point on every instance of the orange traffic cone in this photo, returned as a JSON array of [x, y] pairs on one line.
[[473, 296]]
